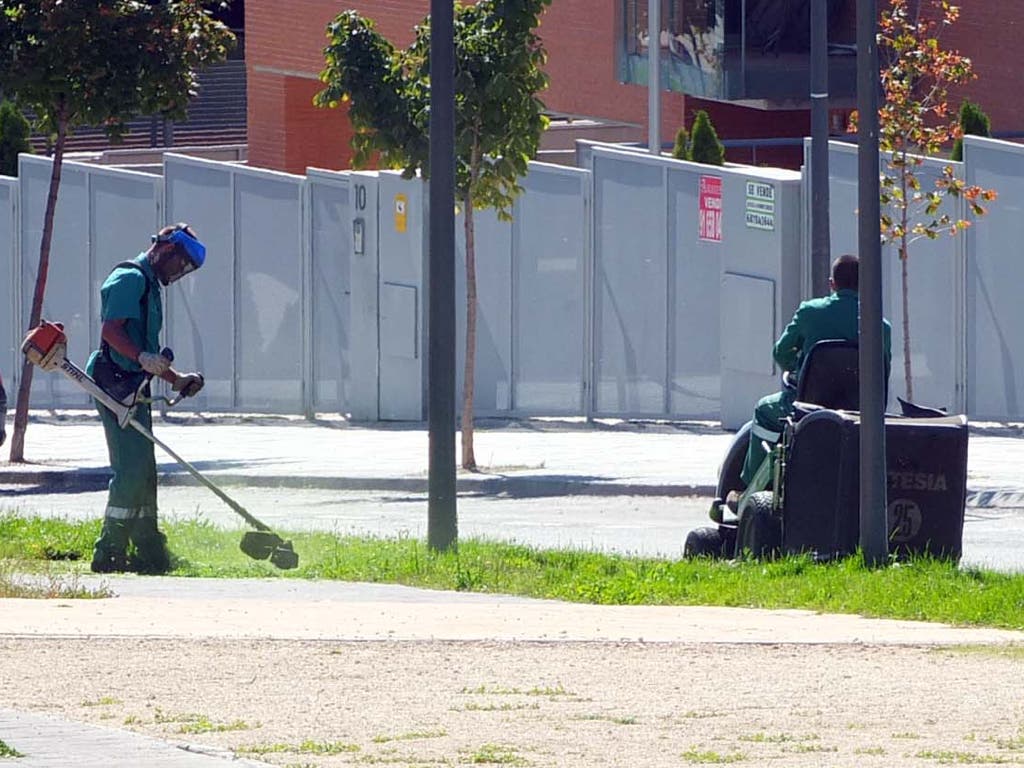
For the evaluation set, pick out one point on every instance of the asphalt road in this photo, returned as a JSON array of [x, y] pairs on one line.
[[643, 525]]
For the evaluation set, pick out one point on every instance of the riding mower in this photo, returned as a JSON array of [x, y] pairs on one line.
[[804, 497]]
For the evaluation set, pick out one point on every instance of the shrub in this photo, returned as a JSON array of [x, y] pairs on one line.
[[973, 122], [704, 144], [681, 150]]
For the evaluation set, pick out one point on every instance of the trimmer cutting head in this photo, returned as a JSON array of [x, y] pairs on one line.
[[263, 545]]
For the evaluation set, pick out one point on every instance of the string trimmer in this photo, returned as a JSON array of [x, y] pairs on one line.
[[46, 347]]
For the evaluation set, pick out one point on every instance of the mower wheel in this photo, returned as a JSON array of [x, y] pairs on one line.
[[759, 533], [705, 542]]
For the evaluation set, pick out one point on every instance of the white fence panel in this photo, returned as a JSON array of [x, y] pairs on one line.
[[269, 263], [200, 311], [935, 288], [10, 324], [995, 272], [550, 276], [330, 256]]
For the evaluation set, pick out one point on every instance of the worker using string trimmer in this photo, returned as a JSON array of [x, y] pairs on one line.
[[132, 313]]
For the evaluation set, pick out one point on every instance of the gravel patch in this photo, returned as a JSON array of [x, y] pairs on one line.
[[423, 703]]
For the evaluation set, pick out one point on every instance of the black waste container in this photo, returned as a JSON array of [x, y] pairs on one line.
[[926, 467]]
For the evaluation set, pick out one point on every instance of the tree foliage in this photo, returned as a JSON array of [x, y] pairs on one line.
[[498, 117], [98, 63], [102, 62], [915, 123], [704, 144], [14, 135], [973, 122], [498, 73]]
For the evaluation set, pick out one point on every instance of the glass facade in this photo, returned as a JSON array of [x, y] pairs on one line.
[[736, 50]]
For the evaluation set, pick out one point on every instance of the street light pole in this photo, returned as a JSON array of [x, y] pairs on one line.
[[654, 76], [874, 540], [820, 241], [442, 520]]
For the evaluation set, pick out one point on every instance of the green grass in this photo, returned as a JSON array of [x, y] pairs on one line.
[[495, 754], [710, 757], [8, 751], [307, 747], [384, 738], [925, 590]]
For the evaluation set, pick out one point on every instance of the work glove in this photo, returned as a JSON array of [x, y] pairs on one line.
[[153, 363], [188, 384]]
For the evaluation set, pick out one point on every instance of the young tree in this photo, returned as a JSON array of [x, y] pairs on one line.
[[915, 123], [973, 122], [14, 133], [498, 120], [97, 63], [704, 144]]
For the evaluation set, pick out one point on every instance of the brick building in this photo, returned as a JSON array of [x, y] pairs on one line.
[[589, 46]]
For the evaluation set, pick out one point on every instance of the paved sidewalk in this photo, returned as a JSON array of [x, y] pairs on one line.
[[530, 457], [50, 742]]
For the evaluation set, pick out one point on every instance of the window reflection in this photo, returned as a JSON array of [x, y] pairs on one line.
[[736, 49], [690, 45]]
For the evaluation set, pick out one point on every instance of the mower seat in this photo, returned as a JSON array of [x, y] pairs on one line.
[[830, 376]]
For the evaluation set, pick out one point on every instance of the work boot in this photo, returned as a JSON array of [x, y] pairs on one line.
[[105, 561], [110, 548], [151, 555]]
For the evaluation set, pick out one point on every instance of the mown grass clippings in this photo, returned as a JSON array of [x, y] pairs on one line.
[[32, 583]]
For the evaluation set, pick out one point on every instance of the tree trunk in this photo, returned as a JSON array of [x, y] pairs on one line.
[[468, 456], [25, 388], [906, 324]]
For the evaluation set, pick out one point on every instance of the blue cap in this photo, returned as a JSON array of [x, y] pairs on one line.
[[196, 250]]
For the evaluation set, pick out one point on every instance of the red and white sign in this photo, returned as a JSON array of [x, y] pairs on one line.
[[710, 225]]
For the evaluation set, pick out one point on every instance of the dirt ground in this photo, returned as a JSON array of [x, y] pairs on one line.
[[636, 705]]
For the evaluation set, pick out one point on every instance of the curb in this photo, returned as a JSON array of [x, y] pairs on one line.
[[513, 486], [537, 486]]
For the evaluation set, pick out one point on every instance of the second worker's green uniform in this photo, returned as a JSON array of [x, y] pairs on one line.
[[835, 316]]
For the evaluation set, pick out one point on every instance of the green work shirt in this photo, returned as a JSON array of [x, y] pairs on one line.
[[832, 317], [121, 299]]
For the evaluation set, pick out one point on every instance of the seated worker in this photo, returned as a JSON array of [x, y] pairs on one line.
[[834, 317]]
